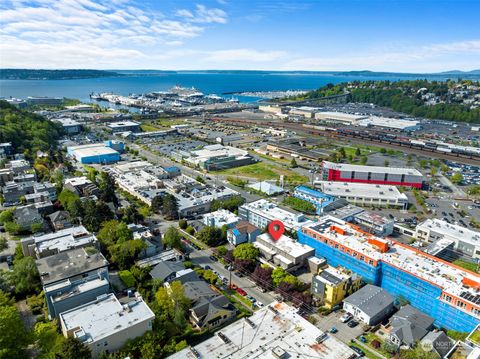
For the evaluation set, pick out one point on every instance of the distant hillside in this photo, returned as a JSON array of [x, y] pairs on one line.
[[27, 74]]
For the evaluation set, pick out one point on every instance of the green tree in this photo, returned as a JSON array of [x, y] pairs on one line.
[[417, 352], [182, 223], [131, 214], [25, 276], [172, 238], [157, 204], [457, 178], [106, 184], [246, 251], [6, 216], [125, 254], [73, 348], [293, 163], [200, 179], [48, 339], [278, 275], [210, 235], [386, 163], [170, 206], [15, 337], [363, 160], [113, 232], [358, 152]]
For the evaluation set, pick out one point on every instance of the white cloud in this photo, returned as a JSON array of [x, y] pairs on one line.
[[202, 14]]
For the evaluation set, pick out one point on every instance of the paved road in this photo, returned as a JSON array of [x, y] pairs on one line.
[[202, 257]]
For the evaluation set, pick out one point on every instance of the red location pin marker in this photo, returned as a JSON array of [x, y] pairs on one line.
[[276, 229]]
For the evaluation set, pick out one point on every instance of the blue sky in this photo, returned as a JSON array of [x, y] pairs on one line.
[[404, 36]]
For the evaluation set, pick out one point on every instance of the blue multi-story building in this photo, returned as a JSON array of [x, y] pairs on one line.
[[444, 291], [320, 200]]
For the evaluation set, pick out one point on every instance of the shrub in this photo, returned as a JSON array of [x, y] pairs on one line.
[[127, 278]]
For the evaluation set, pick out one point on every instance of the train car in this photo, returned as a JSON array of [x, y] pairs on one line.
[[444, 149]]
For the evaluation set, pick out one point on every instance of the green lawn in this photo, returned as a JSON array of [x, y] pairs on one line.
[[149, 128], [475, 337], [278, 160], [467, 265], [368, 353], [263, 171], [371, 337]]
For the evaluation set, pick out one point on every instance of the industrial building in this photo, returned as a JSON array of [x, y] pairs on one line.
[[294, 147], [442, 290], [93, 153], [332, 285], [70, 126], [124, 126], [218, 157], [321, 201], [304, 111], [343, 172], [260, 213], [49, 101], [389, 123], [275, 331], [364, 194], [105, 324], [339, 117], [284, 252], [44, 245]]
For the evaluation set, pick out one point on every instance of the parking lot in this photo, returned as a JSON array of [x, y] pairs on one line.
[[344, 333]]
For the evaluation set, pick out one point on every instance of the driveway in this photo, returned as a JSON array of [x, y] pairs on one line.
[[345, 333]]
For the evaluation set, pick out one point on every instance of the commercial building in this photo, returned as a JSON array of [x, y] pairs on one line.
[[370, 304], [274, 109], [51, 101], [389, 123], [218, 157], [275, 331], [284, 252], [375, 223], [343, 172], [81, 186], [294, 147], [339, 117], [124, 126], [260, 213], [464, 240], [305, 111], [438, 288], [221, 218], [45, 245], [70, 126], [321, 201], [105, 324], [369, 195], [243, 232], [93, 153], [332, 285]]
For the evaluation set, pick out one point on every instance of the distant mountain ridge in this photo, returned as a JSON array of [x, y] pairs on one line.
[[42, 74]]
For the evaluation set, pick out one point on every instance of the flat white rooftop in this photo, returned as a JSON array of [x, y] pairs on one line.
[[64, 239], [103, 317], [338, 116], [451, 231], [285, 244], [269, 333], [100, 150], [220, 218], [123, 124], [372, 169], [394, 123], [364, 190], [271, 211], [217, 151]]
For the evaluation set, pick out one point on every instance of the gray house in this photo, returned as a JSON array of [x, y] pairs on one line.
[[370, 304], [173, 271], [409, 325]]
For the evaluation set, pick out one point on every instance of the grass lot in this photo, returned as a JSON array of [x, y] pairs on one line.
[[475, 337], [278, 160], [149, 128], [263, 171], [371, 337], [467, 265], [165, 122], [368, 353]]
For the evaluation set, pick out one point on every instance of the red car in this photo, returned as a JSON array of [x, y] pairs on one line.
[[241, 291]]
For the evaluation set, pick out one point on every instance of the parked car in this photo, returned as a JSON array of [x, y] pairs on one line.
[[213, 258], [352, 324], [346, 317], [207, 267], [241, 291], [259, 304], [333, 330], [358, 351], [251, 299], [337, 307], [362, 339]]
